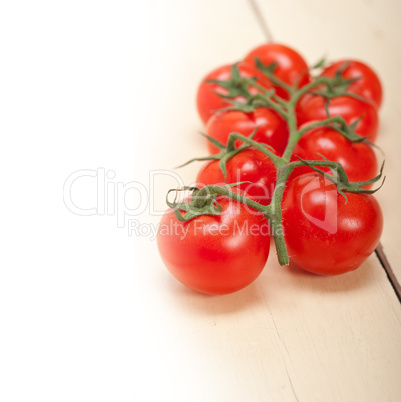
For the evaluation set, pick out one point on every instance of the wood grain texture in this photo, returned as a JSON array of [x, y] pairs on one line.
[[289, 336]]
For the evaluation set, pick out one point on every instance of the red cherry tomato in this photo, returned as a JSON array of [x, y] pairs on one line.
[[325, 234], [358, 159], [291, 67], [249, 165], [207, 99], [368, 85], [272, 128], [313, 107], [215, 254]]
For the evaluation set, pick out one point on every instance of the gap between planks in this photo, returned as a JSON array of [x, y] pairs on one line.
[[389, 271]]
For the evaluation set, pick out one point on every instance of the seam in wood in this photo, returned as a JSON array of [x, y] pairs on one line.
[[389, 271], [262, 21]]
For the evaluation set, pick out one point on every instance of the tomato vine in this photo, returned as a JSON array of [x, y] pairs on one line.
[[203, 201]]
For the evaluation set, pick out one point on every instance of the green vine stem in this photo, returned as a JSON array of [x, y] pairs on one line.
[[204, 200]]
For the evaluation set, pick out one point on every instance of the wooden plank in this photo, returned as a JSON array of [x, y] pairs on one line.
[[368, 31]]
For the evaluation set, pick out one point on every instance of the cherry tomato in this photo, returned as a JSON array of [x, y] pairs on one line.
[[325, 234], [248, 165], [291, 67], [358, 159], [215, 254], [272, 128], [313, 107], [207, 99], [368, 85]]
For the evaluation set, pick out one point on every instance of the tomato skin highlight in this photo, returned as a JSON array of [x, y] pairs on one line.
[[313, 107], [209, 254], [368, 85], [358, 159], [209, 102], [324, 234], [272, 129], [249, 165], [291, 67]]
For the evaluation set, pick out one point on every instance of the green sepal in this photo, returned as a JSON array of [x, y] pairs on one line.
[[326, 107], [240, 106], [266, 68], [235, 86], [322, 62], [371, 181], [340, 178], [226, 152], [203, 201], [215, 142], [347, 131], [233, 89], [338, 85], [350, 133]]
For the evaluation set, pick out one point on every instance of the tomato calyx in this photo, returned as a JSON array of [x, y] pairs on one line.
[[203, 201], [194, 208], [223, 156], [338, 85], [266, 98], [269, 70], [237, 86], [339, 177], [340, 125], [229, 151]]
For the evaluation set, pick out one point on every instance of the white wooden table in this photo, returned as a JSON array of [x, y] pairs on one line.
[[88, 312], [289, 336]]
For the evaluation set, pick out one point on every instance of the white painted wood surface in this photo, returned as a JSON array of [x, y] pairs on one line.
[[290, 336], [89, 313]]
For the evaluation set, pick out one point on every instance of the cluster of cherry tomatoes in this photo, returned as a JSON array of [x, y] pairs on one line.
[[290, 129]]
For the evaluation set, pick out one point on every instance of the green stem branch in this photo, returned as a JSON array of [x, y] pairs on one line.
[[204, 199], [277, 161]]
